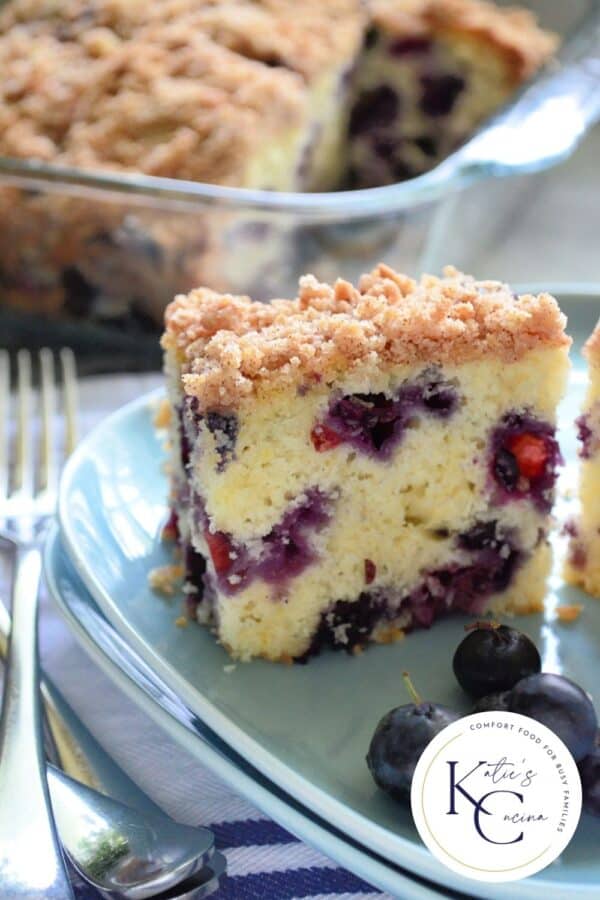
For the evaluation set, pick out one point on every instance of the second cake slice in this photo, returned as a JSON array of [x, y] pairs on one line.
[[356, 462]]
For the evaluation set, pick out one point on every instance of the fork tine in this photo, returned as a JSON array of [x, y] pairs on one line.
[[69, 377], [24, 460], [47, 408], [4, 411]]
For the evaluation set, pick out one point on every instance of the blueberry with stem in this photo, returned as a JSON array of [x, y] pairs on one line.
[[399, 740]]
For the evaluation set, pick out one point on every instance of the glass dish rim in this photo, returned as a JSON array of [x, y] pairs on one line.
[[144, 189]]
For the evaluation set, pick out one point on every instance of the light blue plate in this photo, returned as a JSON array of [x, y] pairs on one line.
[[307, 728], [135, 678]]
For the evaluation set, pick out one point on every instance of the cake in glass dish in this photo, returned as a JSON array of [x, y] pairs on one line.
[[430, 72], [354, 463], [282, 95], [583, 560]]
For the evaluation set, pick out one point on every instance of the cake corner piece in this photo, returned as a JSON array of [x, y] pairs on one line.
[[356, 462], [582, 566]]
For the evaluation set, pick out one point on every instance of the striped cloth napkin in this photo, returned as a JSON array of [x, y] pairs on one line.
[[265, 862]]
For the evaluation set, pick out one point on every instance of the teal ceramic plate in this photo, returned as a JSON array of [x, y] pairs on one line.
[[306, 728], [135, 678]]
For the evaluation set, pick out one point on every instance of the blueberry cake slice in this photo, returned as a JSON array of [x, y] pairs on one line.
[[356, 462], [431, 72], [583, 562]]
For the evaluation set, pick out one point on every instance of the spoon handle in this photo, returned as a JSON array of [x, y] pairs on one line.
[[31, 862]]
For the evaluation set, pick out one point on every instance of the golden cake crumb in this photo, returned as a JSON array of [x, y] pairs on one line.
[[232, 346], [162, 417], [166, 579], [182, 621], [570, 612]]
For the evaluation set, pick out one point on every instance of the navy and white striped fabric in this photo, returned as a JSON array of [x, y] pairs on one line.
[[265, 862]]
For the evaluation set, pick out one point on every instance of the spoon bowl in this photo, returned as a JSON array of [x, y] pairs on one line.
[[122, 852]]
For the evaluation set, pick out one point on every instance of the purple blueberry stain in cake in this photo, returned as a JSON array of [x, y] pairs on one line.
[[370, 571], [524, 458], [584, 436], [440, 93], [486, 562], [375, 423], [587, 434], [184, 443], [285, 552], [189, 428], [374, 109], [410, 46], [288, 548], [224, 428], [195, 567]]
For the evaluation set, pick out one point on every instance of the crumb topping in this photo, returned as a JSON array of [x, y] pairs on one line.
[[513, 30], [230, 346], [166, 102], [193, 88]]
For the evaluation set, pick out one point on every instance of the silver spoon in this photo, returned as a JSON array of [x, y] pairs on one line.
[[124, 852]]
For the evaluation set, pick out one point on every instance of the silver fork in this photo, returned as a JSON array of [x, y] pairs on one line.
[[31, 862]]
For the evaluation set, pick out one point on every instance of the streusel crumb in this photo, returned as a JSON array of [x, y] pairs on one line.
[[166, 579], [232, 346]]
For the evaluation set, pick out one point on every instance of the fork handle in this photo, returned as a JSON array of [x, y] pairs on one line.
[[31, 862]]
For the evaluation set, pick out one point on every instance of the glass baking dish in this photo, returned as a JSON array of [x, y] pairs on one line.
[[110, 251]]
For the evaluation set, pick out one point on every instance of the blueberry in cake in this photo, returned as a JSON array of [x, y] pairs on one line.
[[295, 95], [583, 562], [356, 462]]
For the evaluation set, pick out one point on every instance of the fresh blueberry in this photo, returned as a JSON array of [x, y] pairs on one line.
[[562, 706], [493, 658], [589, 769], [399, 740]]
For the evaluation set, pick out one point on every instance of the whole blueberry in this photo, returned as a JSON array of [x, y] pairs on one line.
[[589, 769], [399, 741], [494, 658], [562, 706]]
